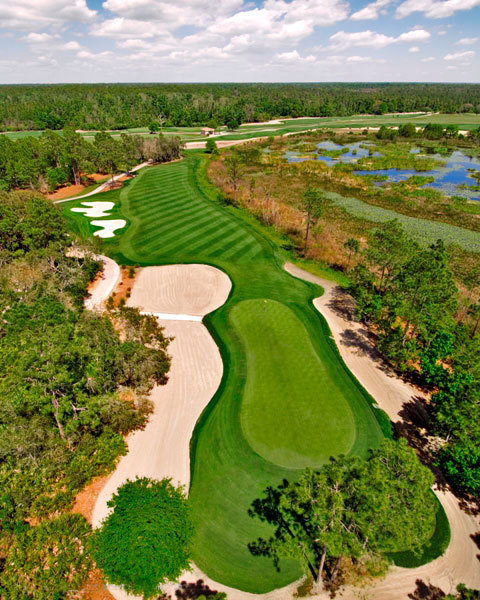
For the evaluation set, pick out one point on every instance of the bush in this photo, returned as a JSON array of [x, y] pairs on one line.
[[146, 540]]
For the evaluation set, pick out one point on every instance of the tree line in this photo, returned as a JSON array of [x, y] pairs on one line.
[[70, 389], [55, 159], [408, 293], [118, 106]]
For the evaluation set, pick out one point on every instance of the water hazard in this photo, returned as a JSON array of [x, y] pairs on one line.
[[459, 174]]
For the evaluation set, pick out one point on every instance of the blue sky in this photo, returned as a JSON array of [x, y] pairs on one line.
[[51, 41]]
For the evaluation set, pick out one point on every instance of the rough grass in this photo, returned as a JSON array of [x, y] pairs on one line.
[[171, 219], [422, 230]]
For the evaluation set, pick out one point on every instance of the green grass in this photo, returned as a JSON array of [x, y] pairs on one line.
[[173, 218], [293, 413], [425, 232], [437, 545], [464, 121]]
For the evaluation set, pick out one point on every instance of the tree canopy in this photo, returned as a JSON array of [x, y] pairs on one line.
[[350, 507], [146, 540], [70, 389]]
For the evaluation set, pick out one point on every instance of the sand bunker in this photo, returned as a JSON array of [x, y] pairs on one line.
[[180, 289], [109, 227], [94, 209]]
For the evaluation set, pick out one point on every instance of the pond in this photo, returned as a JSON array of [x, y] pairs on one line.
[[454, 177]]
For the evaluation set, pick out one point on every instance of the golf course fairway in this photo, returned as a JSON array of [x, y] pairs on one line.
[[286, 399]]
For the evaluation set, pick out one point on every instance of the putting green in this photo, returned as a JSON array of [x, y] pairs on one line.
[[293, 413]]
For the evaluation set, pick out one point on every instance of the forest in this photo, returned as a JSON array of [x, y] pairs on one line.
[[49, 161], [120, 106], [71, 388]]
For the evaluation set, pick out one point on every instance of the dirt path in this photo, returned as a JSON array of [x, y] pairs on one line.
[[459, 564]]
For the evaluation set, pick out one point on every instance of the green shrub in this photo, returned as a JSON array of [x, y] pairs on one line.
[[146, 540]]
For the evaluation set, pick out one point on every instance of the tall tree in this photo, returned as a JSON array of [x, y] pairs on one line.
[[351, 507], [312, 204]]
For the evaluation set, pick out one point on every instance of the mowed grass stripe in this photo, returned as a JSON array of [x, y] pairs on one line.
[[205, 237], [193, 228], [174, 222], [224, 239], [238, 251]]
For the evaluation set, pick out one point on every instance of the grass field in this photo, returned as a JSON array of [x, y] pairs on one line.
[[425, 232], [190, 134], [268, 323]]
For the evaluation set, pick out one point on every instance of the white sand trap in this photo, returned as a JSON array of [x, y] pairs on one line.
[[95, 209], [109, 227], [180, 289]]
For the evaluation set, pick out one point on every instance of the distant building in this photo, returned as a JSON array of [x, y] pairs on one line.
[[207, 131]]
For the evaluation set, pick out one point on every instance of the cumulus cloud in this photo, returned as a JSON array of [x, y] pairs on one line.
[[25, 15], [38, 38], [428, 59], [435, 9], [460, 55], [93, 55], [416, 35], [467, 41], [343, 40], [293, 56], [122, 28], [371, 11], [414, 49], [71, 46], [174, 14]]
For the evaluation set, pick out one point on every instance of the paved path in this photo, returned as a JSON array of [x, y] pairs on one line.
[[105, 185]]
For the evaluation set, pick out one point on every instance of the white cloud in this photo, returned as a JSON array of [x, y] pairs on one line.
[[467, 41], [22, 15], [460, 55], [293, 56], [342, 40], [416, 35], [442, 32], [428, 59], [370, 11], [133, 43], [92, 55], [414, 49], [121, 28], [38, 38], [71, 46], [435, 9], [173, 14], [364, 59]]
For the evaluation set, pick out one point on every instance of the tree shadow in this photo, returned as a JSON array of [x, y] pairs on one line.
[[361, 340], [342, 304], [413, 427], [194, 590], [426, 591], [476, 540]]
